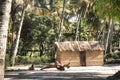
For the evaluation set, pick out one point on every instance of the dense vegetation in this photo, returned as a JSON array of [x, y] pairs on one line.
[[43, 22]]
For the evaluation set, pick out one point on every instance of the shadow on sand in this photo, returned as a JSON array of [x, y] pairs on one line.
[[46, 75]]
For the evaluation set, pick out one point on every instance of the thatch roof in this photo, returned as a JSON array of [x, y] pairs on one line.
[[79, 45]]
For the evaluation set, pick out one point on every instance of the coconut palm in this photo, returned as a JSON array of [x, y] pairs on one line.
[[15, 49], [110, 10], [5, 7], [61, 23]]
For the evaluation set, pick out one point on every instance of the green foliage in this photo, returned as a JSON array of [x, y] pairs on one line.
[[38, 28], [116, 38], [111, 57], [46, 59], [35, 58], [39, 31], [7, 61], [73, 1], [109, 8]]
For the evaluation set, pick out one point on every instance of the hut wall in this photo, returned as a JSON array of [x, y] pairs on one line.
[[94, 58], [69, 56]]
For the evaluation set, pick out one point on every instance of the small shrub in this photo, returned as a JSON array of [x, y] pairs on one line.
[[7, 61], [27, 60], [46, 59], [35, 58], [22, 60]]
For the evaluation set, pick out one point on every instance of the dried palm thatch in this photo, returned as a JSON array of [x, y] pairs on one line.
[[79, 45]]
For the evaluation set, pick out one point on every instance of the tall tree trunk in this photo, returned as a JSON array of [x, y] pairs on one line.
[[41, 47], [107, 40], [109, 36], [119, 43], [13, 11], [62, 19], [104, 32], [5, 8], [78, 23], [18, 38]]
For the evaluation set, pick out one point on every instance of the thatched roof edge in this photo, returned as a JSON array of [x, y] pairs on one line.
[[79, 45]]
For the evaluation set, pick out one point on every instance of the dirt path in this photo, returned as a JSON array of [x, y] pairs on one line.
[[74, 73]]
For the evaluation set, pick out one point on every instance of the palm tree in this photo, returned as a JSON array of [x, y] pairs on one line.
[[15, 49], [80, 14], [110, 10], [18, 38], [61, 23], [5, 8]]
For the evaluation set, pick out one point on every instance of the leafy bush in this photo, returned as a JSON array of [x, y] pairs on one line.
[[7, 61], [112, 58], [34, 59], [45, 59], [23, 60]]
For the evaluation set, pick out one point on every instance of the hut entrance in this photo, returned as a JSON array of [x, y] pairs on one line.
[[83, 58]]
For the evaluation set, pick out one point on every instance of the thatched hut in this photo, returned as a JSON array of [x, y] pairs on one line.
[[80, 53]]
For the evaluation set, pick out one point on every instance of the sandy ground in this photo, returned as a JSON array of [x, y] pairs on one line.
[[73, 73]]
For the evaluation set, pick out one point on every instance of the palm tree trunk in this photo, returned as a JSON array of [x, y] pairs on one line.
[[109, 36], [62, 19], [78, 23], [103, 33], [18, 39], [5, 8], [119, 43]]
